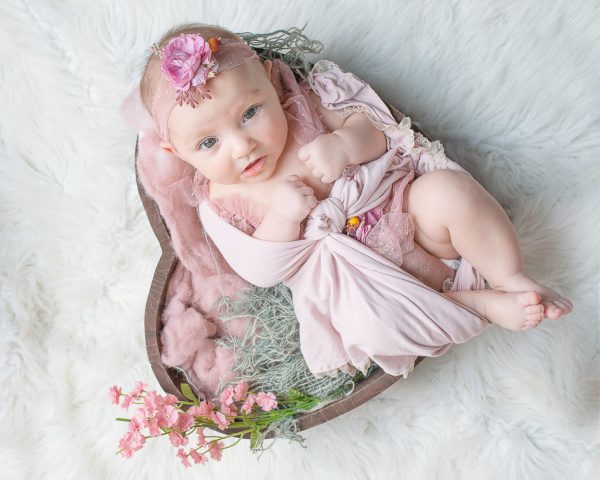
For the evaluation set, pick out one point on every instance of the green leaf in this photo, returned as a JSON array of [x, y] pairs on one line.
[[294, 395], [254, 437], [188, 393]]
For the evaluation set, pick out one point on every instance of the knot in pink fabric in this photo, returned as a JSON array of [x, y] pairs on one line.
[[329, 216]]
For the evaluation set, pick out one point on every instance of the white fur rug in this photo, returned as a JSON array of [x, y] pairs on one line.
[[510, 88]]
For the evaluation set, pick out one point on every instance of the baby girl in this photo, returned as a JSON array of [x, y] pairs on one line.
[[217, 107]]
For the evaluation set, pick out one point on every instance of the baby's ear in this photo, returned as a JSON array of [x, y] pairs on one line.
[[268, 66], [166, 146]]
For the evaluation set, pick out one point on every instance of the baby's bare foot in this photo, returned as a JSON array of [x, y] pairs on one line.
[[514, 311], [555, 305]]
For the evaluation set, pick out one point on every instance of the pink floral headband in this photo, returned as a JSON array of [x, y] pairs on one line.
[[188, 62]]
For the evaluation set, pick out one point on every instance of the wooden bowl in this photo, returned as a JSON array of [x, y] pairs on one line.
[[170, 378]]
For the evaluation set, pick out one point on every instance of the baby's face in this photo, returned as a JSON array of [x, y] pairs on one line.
[[243, 122]]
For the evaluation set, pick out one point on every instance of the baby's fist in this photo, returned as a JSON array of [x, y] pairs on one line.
[[325, 156], [293, 199]]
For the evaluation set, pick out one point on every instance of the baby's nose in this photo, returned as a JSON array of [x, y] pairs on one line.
[[242, 145]]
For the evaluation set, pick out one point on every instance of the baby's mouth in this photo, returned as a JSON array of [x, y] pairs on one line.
[[253, 163]]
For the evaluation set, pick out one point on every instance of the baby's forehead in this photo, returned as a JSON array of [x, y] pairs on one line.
[[231, 91]]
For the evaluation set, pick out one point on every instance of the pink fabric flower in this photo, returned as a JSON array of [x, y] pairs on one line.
[[369, 220], [216, 450], [266, 401], [187, 61], [184, 458], [241, 390], [178, 440], [220, 420], [197, 457], [114, 393]]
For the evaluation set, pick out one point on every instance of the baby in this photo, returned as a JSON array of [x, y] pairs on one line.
[[228, 123]]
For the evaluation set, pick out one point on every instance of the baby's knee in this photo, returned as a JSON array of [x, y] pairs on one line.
[[440, 188]]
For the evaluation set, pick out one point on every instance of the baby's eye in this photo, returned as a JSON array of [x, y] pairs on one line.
[[207, 143], [248, 114]]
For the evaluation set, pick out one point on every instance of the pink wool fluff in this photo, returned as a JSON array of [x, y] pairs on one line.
[[189, 318]]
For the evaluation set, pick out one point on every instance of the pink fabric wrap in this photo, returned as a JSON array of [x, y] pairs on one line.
[[189, 318], [353, 304]]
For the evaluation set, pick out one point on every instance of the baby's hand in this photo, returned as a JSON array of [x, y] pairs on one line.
[[293, 199], [326, 156]]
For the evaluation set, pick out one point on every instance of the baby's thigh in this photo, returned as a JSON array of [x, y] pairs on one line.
[[433, 200]]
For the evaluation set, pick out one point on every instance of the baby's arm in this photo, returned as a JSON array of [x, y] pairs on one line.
[[353, 140], [277, 228]]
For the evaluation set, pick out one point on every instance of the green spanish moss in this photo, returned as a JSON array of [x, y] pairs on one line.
[[269, 356], [290, 45]]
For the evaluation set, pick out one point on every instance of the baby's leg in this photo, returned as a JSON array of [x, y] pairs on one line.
[[453, 216]]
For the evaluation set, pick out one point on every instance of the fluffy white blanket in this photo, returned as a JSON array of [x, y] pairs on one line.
[[510, 88]]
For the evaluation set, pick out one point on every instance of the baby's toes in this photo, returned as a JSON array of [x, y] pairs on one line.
[[534, 313], [530, 298], [529, 324], [564, 303], [553, 311]]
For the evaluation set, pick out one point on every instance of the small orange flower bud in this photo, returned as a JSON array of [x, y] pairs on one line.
[[352, 222], [214, 44]]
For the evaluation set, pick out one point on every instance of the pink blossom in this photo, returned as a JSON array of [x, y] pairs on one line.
[[227, 395], [205, 408], [195, 411], [216, 450], [229, 410], [130, 443], [241, 389], [249, 403], [114, 393], [153, 427], [185, 422], [127, 401], [167, 416], [184, 458], [197, 457], [266, 401], [152, 402], [220, 420], [169, 399], [178, 440], [187, 61], [201, 437], [139, 420], [138, 388]]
